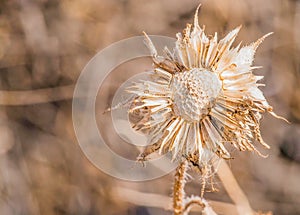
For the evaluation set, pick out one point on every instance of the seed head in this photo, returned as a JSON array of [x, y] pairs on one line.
[[194, 93], [202, 98]]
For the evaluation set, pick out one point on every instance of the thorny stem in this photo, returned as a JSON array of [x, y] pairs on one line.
[[178, 188], [181, 204]]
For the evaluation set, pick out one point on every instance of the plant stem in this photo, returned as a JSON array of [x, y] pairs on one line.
[[178, 188]]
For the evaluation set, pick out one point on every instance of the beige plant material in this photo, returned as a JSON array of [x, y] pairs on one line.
[[201, 98]]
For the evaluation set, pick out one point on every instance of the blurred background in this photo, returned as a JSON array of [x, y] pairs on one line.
[[44, 45]]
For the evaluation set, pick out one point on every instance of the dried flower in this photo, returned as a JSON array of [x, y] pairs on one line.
[[201, 98]]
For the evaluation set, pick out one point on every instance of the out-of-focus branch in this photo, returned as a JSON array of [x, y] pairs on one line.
[[233, 189], [36, 96]]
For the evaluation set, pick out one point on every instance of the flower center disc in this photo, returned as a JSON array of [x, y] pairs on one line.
[[194, 93]]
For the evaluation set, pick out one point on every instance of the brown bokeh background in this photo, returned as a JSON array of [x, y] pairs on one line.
[[44, 45]]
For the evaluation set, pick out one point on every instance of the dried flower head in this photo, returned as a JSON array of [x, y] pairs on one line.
[[201, 98]]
